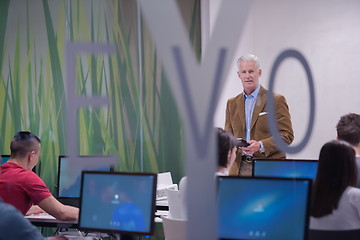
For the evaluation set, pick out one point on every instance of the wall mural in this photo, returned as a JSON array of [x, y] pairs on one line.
[[141, 126]]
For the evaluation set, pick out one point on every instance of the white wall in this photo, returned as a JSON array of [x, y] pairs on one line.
[[327, 33]]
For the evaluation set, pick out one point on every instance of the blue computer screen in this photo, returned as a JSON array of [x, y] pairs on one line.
[[4, 158], [120, 202], [69, 176], [263, 208], [285, 168]]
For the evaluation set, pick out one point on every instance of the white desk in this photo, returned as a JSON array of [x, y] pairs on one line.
[[46, 220]]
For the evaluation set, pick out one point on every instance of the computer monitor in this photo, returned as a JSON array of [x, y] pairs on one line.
[[69, 177], [4, 158], [263, 208], [117, 202], [289, 168]]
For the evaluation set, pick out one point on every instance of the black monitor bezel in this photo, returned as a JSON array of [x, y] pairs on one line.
[[277, 160], [36, 169], [4, 156], [112, 231], [71, 199], [308, 199]]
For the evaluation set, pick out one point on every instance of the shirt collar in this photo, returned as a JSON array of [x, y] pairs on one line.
[[254, 94]]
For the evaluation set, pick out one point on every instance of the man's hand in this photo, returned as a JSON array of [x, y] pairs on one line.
[[252, 148]]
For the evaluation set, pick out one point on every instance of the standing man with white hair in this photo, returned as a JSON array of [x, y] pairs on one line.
[[246, 118]]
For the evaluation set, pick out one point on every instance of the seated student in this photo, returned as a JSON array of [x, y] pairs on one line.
[[348, 129], [22, 188], [226, 154], [336, 202], [15, 226]]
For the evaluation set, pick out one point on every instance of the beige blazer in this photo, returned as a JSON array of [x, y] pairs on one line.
[[235, 123]]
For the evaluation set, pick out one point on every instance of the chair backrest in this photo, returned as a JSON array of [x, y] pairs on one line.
[[334, 234], [174, 229]]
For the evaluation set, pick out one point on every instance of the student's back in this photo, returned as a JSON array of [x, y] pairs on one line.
[[336, 202], [345, 217], [20, 187]]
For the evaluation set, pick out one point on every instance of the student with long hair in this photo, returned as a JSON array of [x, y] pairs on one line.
[[336, 201], [226, 151]]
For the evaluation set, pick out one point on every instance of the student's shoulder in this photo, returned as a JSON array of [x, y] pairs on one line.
[[31, 177], [353, 193], [31, 174]]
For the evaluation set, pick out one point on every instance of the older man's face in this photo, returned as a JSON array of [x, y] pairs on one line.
[[249, 75]]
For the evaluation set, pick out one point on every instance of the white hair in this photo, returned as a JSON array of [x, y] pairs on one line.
[[248, 58]]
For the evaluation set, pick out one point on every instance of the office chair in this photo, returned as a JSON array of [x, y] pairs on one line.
[[334, 234], [174, 229]]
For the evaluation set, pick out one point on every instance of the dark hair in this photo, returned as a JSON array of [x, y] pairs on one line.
[[336, 171], [23, 143], [348, 128], [226, 142]]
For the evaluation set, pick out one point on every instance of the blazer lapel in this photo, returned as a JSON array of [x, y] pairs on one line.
[[259, 105], [241, 111]]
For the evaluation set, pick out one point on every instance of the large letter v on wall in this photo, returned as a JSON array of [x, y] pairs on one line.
[[204, 80], [196, 87]]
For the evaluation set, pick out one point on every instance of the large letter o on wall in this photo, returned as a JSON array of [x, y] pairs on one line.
[[290, 53]]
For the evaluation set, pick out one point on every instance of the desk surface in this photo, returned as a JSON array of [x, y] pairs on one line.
[[46, 220]]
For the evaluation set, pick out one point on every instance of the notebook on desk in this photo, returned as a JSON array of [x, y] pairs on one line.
[[69, 179], [40, 216]]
